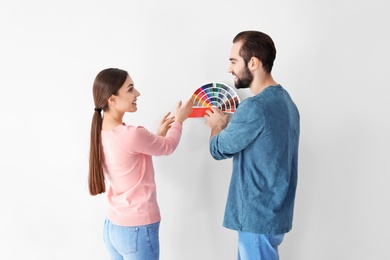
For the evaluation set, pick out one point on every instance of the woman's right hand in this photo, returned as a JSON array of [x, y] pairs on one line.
[[183, 111]]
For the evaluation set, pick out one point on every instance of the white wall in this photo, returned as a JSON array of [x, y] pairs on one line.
[[332, 58]]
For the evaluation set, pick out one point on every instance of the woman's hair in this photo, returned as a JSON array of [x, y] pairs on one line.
[[259, 45], [106, 83]]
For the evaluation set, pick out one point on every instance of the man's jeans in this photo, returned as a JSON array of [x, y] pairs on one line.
[[253, 246]]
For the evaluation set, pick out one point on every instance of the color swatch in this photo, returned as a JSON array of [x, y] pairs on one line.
[[214, 95]]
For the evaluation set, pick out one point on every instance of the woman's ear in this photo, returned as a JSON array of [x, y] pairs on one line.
[[111, 100]]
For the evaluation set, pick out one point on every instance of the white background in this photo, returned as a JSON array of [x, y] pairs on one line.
[[332, 57]]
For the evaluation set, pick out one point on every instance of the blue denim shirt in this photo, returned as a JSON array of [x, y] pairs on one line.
[[262, 137]]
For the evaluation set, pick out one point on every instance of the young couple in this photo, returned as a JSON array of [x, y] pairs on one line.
[[262, 138]]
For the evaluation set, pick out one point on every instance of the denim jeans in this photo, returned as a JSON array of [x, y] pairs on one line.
[[132, 243], [253, 246]]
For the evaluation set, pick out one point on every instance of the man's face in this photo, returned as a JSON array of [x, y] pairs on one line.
[[242, 75]]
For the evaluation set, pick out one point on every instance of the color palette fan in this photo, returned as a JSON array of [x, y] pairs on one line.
[[214, 95]]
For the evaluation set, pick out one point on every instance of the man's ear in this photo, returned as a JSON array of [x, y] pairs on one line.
[[254, 63]]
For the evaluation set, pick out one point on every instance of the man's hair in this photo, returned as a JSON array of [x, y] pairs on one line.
[[259, 45]]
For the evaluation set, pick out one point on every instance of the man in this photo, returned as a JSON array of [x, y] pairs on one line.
[[262, 137]]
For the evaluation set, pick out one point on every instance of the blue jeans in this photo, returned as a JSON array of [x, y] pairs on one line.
[[132, 243], [253, 246]]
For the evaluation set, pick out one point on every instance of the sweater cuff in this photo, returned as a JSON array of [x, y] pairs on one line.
[[177, 125]]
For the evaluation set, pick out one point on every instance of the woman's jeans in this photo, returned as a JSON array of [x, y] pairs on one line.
[[253, 246], [132, 243]]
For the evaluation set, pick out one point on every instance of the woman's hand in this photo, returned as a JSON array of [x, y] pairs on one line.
[[183, 111], [165, 124]]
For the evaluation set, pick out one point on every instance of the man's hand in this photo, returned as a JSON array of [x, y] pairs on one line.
[[216, 120]]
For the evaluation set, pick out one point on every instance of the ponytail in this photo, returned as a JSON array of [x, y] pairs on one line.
[[96, 182]]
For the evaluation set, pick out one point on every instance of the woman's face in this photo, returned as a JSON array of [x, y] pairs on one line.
[[126, 100]]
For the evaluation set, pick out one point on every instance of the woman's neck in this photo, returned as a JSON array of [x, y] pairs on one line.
[[111, 121]]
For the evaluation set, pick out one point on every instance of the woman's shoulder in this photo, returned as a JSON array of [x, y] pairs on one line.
[[137, 131], [122, 129]]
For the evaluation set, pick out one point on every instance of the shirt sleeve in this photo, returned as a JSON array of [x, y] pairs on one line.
[[148, 143], [246, 123]]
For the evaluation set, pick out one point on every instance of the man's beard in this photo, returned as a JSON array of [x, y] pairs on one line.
[[245, 80]]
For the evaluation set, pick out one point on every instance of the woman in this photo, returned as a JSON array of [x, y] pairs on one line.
[[122, 155]]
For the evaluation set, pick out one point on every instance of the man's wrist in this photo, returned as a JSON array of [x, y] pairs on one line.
[[215, 130]]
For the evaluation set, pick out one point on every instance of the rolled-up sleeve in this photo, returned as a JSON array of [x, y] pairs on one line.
[[246, 123]]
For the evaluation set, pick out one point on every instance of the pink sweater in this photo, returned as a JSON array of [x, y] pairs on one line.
[[128, 152]]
